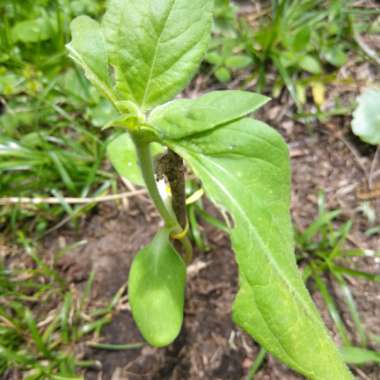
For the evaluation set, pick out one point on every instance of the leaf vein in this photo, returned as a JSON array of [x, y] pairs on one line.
[[156, 51]]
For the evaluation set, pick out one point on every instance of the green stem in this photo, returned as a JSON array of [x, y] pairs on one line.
[[256, 364], [146, 166], [188, 250]]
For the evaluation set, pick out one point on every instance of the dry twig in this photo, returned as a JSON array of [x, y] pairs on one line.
[[52, 200]]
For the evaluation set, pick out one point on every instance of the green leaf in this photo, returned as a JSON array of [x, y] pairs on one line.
[[366, 122], [359, 356], [156, 46], [244, 168], [88, 50], [122, 154], [184, 117], [335, 55], [287, 78], [301, 39], [156, 290], [29, 31], [102, 113], [8, 83], [288, 58], [222, 74], [214, 58], [310, 64], [237, 62]]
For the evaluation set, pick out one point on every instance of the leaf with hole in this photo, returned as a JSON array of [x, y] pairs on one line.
[[244, 168]]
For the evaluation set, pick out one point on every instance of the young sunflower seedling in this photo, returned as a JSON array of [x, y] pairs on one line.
[[140, 56]]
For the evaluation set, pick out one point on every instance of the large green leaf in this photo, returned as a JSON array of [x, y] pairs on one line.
[[366, 122], [155, 46], [122, 154], [88, 49], [156, 290], [244, 167], [185, 117]]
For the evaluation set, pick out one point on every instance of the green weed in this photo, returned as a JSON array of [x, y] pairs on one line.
[[46, 147], [322, 248], [43, 318], [304, 41]]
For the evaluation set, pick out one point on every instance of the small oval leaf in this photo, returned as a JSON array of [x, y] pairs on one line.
[[222, 74], [310, 64], [366, 122], [237, 62], [156, 290]]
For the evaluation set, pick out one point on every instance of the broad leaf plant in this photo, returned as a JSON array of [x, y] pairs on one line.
[[141, 55]]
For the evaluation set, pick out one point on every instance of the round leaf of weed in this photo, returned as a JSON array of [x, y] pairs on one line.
[[366, 122]]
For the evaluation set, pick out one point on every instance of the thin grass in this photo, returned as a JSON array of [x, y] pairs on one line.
[[323, 248], [47, 144], [42, 320]]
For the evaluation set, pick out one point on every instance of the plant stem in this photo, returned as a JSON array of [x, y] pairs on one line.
[[146, 166], [256, 364], [171, 166]]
